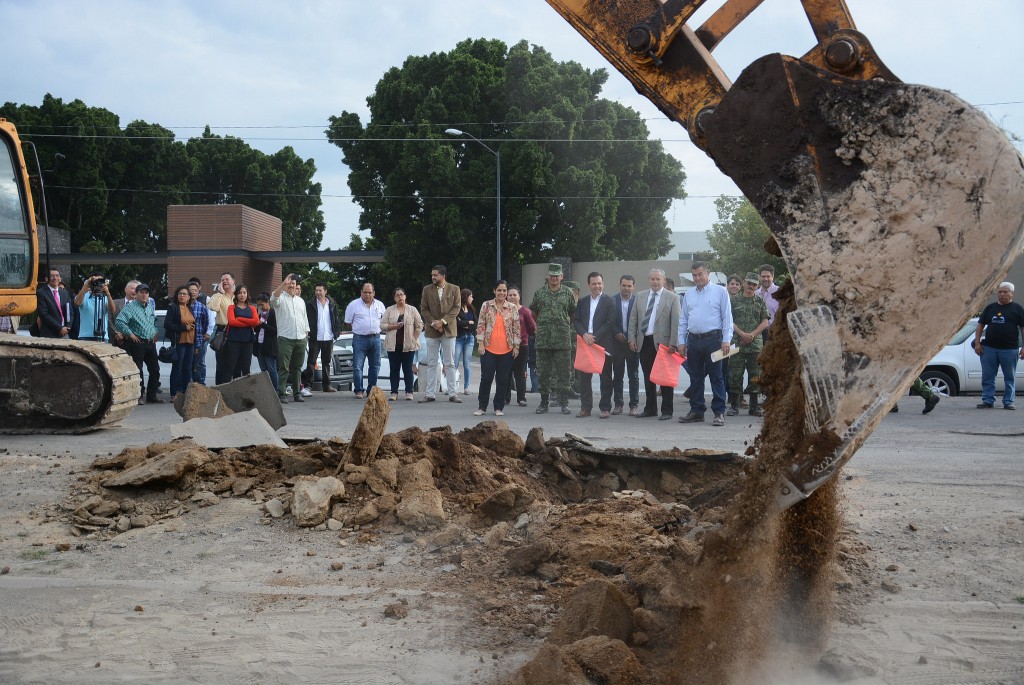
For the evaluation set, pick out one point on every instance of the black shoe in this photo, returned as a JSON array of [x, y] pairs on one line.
[[154, 400], [646, 415], [664, 417], [930, 403], [692, 418], [984, 405], [542, 409]]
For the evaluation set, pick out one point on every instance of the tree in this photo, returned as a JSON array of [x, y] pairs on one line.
[[112, 186], [738, 239], [579, 176]]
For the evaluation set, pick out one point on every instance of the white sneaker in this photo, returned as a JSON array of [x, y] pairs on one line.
[[479, 412], [499, 412], [305, 392]]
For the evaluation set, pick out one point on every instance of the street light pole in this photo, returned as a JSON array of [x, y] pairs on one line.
[[497, 220]]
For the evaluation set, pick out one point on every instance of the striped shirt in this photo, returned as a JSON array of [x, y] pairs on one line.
[[137, 319]]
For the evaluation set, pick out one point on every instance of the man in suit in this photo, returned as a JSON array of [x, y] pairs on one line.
[[705, 326], [625, 362], [53, 308], [440, 304], [654, 321], [597, 322]]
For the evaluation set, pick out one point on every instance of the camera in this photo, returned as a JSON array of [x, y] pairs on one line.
[[97, 285], [296, 278]]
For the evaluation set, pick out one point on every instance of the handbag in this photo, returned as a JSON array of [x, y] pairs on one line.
[[166, 354], [217, 341], [589, 358], [665, 372]]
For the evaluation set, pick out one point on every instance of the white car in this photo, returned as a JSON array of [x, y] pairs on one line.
[[956, 368]]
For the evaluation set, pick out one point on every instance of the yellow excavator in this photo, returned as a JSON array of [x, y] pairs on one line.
[[47, 385], [897, 207]]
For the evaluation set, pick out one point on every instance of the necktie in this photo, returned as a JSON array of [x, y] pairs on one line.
[[56, 297], [648, 313]]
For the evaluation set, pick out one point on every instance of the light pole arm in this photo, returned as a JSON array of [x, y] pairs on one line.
[[497, 219]]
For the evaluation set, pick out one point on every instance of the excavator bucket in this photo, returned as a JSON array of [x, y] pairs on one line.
[[898, 209]]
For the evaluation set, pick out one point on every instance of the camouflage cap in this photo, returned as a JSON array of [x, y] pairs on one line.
[[751, 277], [573, 285], [554, 269]]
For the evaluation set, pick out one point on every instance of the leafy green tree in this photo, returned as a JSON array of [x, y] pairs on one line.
[[738, 239], [579, 176], [110, 187]]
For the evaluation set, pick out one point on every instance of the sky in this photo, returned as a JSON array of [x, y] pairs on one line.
[[273, 72]]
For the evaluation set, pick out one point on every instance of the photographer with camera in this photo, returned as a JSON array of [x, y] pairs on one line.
[[222, 298], [96, 308]]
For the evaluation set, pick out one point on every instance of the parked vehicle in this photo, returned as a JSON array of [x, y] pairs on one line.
[[956, 369]]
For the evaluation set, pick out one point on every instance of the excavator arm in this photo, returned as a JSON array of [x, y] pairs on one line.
[[897, 207]]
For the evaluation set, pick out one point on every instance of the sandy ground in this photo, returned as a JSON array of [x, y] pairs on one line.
[[217, 596]]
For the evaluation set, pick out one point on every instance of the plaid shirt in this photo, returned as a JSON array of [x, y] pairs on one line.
[[202, 315], [138, 319]]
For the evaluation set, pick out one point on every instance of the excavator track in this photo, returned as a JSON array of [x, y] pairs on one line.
[[50, 386]]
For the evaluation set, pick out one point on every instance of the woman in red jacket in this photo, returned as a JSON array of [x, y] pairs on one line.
[[243, 319]]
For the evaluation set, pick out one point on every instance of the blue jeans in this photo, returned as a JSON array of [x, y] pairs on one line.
[[269, 364], [993, 360], [365, 348], [181, 368], [464, 356], [698, 357], [199, 361]]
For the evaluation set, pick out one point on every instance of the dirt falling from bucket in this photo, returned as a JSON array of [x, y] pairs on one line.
[[763, 580]]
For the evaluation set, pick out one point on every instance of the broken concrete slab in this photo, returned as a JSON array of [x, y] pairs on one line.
[[166, 468], [312, 498], [200, 401], [255, 391], [244, 429], [363, 446]]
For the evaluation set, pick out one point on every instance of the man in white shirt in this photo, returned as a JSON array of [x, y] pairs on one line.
[[363, 315], [324, 329], [705, 326], [292, 331]]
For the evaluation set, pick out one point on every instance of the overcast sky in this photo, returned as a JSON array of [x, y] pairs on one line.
[[273, 72]]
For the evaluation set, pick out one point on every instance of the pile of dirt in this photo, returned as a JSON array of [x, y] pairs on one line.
[[599, 553]]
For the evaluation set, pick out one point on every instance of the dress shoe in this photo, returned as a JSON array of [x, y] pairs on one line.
[[605, 415], [692, 418], [426, 399], [645, 415], [664, 417], [930, 404], [455, 398], [583, 413], [984, 405], [617, 410]]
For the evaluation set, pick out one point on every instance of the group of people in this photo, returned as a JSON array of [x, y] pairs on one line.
[[287, 335]]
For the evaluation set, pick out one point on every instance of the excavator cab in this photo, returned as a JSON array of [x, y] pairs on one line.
[[47, 385], [19, 248]]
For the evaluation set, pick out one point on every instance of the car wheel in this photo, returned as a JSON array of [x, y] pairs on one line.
[[940, 383]]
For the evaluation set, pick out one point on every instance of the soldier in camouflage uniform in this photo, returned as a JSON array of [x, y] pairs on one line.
[[574, 386], [553, 307], [750, 318]]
